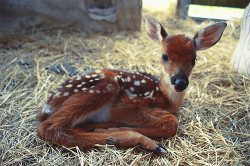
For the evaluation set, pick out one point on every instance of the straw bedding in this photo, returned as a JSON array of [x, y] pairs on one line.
[[214, 122]]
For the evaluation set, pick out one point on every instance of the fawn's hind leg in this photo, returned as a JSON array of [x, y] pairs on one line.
[[61, 135], [77, 108], [151, 122]]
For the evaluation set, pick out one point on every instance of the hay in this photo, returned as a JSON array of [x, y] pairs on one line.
[[214, 121]]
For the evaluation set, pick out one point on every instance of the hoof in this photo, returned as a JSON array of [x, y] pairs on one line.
[[160, 149]]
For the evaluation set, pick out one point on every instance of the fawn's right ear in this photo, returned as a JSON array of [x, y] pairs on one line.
[[154, 29]]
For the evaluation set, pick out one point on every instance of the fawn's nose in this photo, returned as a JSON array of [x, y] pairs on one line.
[[180, 82]]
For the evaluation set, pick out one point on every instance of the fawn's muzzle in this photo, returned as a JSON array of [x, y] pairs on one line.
[[180, 82]]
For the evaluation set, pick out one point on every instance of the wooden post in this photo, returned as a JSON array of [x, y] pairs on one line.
[[241, 57], [182, 8]]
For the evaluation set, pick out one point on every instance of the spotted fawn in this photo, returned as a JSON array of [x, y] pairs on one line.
[[126, 108]]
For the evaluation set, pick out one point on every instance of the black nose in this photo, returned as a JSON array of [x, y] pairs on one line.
[[180, 82]]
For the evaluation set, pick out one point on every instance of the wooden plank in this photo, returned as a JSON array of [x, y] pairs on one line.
[[182, 8], [223, 3]]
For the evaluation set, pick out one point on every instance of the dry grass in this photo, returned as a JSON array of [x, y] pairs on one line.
[[214, 121]]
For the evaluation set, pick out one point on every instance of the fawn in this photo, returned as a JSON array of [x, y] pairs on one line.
[[126, 108]]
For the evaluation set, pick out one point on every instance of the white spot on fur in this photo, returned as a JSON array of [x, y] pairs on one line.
[[83, 83], [79, 85], [137, 83], [91, 80], [84, 88], [102, 77], [115, 78], [147, 93], [87, 76], [157, 88], [69, 86], [76, 90], [98, 71], [78, 78], [91, 91], [97, 79], [131, 95], [97, 91], [143, 81], [57, 94], [128, 79], [94, 75], [65, 93], [150, 95], [134, 76], [132, 89]]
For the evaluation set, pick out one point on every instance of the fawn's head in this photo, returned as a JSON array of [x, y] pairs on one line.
[[179, 51]]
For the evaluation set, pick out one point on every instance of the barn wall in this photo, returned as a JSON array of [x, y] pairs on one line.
[[90, 15]]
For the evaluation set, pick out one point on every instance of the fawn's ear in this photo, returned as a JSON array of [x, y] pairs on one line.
[[209, 36], [154, 29]]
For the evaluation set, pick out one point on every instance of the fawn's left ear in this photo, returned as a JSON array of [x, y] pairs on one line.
[[209, 36], [154, 29]]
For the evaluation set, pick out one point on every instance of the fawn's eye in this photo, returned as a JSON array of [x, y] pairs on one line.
[[194, 60], [165, 57]]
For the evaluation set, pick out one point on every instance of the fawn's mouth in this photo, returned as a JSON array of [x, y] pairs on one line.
[[177, 90]]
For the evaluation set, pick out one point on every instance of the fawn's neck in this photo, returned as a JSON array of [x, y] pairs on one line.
[[174, 98]]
